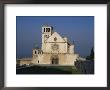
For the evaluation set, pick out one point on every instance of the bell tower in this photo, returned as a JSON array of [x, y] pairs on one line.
[[46, 33]]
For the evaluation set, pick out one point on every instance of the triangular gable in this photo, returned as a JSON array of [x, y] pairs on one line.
[[55, 38]]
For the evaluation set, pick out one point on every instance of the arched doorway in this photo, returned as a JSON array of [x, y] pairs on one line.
[[54, 59]]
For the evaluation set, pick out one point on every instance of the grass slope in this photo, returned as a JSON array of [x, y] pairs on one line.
[[48, 70]]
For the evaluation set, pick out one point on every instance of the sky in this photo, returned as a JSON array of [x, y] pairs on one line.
[[79, 29]]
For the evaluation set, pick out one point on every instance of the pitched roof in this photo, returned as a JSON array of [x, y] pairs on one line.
[[57, 36]]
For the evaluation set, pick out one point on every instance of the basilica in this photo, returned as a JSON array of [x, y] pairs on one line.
[[55, 50]]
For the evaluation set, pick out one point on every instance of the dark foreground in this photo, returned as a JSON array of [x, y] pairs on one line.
[[48, 70]]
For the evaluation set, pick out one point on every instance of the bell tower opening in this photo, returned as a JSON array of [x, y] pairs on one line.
[[46, 29]]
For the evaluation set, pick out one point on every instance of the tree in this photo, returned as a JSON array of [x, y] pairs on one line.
[[91, 56], [92, 53]]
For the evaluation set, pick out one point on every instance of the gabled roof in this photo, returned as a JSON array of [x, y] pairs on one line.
[[57, 36]]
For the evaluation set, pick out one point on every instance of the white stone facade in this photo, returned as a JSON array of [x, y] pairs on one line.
[[55, 49]]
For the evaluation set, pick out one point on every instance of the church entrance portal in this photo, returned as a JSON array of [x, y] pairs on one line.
[[54, 59]]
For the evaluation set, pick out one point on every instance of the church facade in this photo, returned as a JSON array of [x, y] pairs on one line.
[[55, 49]]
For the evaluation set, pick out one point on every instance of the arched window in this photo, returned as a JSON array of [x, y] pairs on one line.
[[38, 61], [44, 29], [35, 52], [47, 29]]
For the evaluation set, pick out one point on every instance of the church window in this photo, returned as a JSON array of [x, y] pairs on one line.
[[35, 52], [55, 39], [38, 61], [48, 29], [55, 47], [44, 29], [38, 51]]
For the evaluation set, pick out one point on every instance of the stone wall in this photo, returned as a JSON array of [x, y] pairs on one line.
[[24, 61], [86, 67], [63, 59]]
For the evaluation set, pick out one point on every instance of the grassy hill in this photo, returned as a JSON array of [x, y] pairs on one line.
[[48, 70]]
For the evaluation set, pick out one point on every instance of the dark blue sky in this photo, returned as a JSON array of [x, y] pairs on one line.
[[79, 29]]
